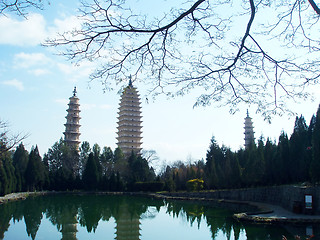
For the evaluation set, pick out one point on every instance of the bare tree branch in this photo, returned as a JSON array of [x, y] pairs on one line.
[[314, 6], [201, 45], [7, 140], [20, 7]]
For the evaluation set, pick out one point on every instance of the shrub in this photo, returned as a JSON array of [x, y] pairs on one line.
[[149, 186], [195, 185]]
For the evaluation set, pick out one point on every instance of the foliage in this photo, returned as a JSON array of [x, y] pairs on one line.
[[35, 172], [20, 162], [195, 185], [61, 155], [139, 169], [290, 160], [222, 167], [7, 175], [91, 175], [148, 186], [315, 164]]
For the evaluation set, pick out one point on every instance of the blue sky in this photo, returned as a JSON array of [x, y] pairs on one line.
[[35, 85]]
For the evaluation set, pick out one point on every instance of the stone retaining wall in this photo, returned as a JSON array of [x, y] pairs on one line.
[[289, 197]]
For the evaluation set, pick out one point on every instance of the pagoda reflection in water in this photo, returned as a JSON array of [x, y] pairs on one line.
[[77, 216], [127, 224]]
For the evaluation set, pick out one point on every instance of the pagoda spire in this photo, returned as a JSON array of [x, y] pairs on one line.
[[72, 133], [129, 121], [75, 91], [130, 81], [248, 131]]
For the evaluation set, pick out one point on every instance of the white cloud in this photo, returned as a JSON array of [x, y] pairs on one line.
[[24, 32], [67, 24], [67, 68], [78, 72], [27, 60], [14, 83], [39, 72], [33, 30]]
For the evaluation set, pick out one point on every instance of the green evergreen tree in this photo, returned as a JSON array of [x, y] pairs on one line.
[[20, 162], [9, 169], [63, 162], [35, 171], [85, 150], [310, 131], [96, 156], [269, 154], [3, 180], [7, 176], [167, 177], [120, 162], [214, 155], [315, 164], [106, 160], [90, 174], [235, 171], [139, 169], [254, 170], [299, 163], [282, 160]]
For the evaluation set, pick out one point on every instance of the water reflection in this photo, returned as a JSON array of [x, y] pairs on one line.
[[70, 212]]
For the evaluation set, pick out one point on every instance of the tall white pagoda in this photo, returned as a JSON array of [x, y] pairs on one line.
[[129, 121], [248, 131], [72, 133]]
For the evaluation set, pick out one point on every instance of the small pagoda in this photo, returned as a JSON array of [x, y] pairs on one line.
[[72, 133], [129, 121], [248, 132]]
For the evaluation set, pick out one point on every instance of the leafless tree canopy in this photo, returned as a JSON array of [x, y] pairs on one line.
[[20, 7], [7, 140], [259, 52]]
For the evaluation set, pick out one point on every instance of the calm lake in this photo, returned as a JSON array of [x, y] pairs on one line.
[[130, 217]]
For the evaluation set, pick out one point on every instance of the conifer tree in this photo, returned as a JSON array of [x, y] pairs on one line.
[[282, 160], [3, 180], [85, 150], [315, 164], [20, 162], [253, 170], [299, 164], [235, 174], [7, 176], [139, 169], [96, 156], [9, 169], [106, 160], [269, 158], [90, 175], [213, 154], [120, 162], [35, 171]]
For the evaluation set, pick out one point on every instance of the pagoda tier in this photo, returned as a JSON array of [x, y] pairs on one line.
[[129, 121], [248, 132], [72, 133], [127, 224]]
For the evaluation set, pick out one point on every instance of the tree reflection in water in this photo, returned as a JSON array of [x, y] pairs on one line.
[[67, 212]]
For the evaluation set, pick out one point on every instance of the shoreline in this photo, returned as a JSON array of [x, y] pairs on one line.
[[266, 213]]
